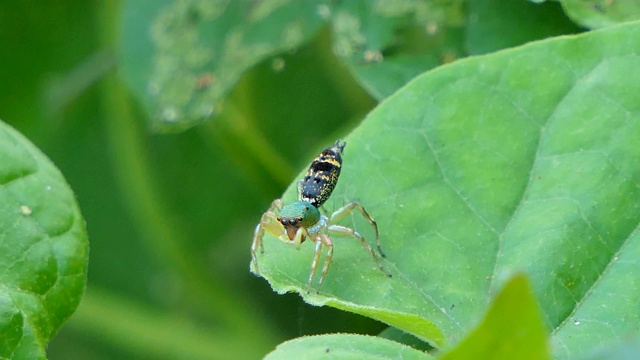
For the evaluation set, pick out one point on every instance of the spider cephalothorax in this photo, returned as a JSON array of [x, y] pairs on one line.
[[296, 215]]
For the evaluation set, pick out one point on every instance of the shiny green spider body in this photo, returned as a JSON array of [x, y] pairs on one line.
[[294, 223]]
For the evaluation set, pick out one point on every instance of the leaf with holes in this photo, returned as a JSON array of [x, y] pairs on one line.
[[43, 249], [526, 160], [182, 57], [387, 43]]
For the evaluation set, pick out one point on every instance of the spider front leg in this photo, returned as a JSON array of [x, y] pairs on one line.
[[268, 222], [346, 210]]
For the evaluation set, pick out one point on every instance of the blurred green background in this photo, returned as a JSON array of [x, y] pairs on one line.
[[170, 215]]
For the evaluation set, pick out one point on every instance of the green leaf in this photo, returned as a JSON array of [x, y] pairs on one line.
[[521, 161], [601, 13], [495, 25], [394, 334], [182, 57], [383, 78], [43, 249], [386, 44], [511, 329], [344, 346]]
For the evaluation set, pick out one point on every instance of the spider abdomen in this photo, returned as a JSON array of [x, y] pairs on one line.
[[322, 176]]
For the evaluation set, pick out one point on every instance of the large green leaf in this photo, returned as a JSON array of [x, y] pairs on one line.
[[521, 161], [182, 57], [43, 249]]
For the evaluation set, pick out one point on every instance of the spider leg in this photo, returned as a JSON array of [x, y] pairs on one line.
[[346, 210], [345, 231], [326, 240], [314, 263], [320, 239], [257, 242], [269, 223]]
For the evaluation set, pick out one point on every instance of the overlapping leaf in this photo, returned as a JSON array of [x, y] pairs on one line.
[[386, 44], [601, 13], [521, 161], [344, 346], [511, 329]]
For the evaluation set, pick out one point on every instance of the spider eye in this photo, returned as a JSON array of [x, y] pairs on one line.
[[292, 221]]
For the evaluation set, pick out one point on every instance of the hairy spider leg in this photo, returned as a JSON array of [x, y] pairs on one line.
[[320, 239], [268, 222], [345, 231], [346, 210]]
